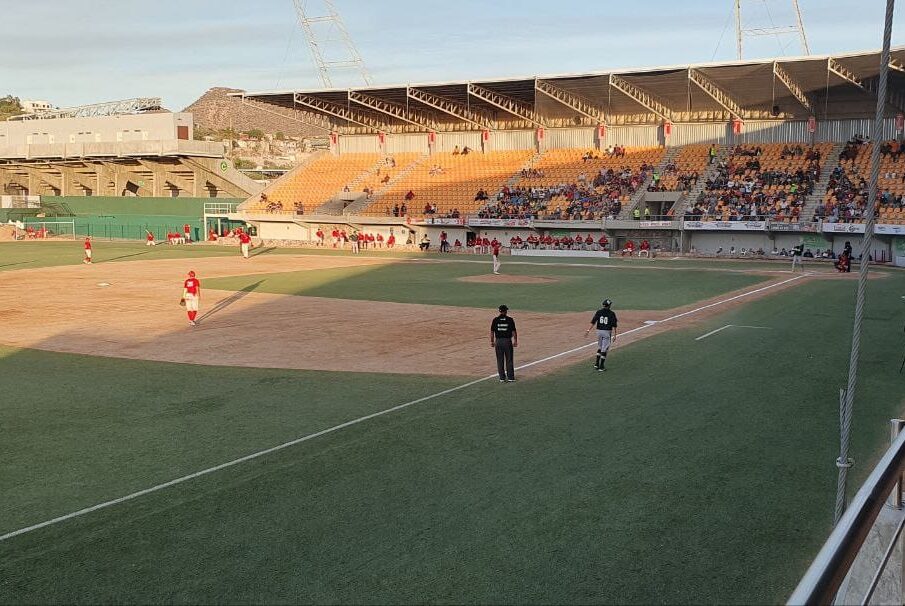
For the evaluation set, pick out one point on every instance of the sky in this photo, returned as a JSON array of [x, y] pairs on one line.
[[73, 52]]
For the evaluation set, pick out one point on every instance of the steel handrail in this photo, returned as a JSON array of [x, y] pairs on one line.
[[826, 573]]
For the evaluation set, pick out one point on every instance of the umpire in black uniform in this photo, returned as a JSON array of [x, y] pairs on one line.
[[503, 338], [605, 322]]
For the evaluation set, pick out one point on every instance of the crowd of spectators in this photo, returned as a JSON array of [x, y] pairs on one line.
[[685, 179], [847, 190], [586, 199], [743, 189]]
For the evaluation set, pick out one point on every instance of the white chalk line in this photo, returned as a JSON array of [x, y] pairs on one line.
[[335, 428], [713, 332]]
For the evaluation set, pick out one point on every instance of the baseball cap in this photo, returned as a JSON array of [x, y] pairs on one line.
[[503, 308], [191, 274], [607, 303]]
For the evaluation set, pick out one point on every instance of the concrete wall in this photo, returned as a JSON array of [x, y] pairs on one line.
[[108, 129]]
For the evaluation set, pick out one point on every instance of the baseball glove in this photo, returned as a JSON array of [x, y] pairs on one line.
[[182, 302]]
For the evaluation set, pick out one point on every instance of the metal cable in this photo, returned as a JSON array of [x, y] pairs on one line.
[[848, 395]]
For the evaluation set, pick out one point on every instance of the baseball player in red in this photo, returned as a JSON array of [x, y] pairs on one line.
[[320, 236], [149, 240], [187, 230], [496, 256], [87, 259], [191, 296], [244, 243]]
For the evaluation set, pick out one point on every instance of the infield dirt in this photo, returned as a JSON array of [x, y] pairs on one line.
[[130, 310]]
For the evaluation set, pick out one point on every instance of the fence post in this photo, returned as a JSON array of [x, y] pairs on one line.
[[895, 428]]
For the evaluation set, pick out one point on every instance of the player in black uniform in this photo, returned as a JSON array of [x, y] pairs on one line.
[[797, 256], [605, 322], [503, 337]]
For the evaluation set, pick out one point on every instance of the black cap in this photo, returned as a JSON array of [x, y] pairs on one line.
[[607, 303], [503, 308]]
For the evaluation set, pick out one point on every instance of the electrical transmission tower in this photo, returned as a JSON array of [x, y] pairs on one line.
[[330, 43], [773, 30]]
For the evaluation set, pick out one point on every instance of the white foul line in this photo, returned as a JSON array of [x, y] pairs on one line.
[[713, 332], [335, 428]]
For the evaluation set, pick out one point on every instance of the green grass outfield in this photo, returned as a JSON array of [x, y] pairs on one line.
[[692, 471], [22, 255], [576, 287]]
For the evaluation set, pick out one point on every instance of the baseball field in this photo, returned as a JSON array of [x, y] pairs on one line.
[[333, 430]]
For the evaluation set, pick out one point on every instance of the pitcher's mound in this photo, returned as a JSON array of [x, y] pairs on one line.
[[508, 279]]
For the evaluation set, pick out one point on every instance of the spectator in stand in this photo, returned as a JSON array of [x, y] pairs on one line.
[[396, 210], [403, 210], [481, 195], [409, 196], [466, 150], [456, 151]]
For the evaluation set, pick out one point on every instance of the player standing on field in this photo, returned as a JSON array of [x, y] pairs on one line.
[[191, 296], [605, 322], [87, 259], [496, 257], [797, 256], [503, 338], [244, 243]]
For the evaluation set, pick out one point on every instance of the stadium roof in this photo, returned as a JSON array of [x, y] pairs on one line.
[[825, 86]]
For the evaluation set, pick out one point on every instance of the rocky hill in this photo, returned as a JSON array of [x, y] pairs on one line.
[[216, 111]]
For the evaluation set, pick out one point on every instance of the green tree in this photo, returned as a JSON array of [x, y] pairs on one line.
[[243, 164], [255, 133], [9, 106], [279, 136]]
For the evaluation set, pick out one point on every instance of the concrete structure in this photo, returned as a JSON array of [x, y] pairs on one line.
[[164, 126], [35, 106], [140, 155]]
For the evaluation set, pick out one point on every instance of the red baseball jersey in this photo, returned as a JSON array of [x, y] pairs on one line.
[[87, 244], [192, 285], [244, 238]]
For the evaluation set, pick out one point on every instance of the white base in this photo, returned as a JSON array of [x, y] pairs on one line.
[[537, 252]]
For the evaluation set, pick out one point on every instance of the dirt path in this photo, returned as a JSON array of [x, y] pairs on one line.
[[130, 310]]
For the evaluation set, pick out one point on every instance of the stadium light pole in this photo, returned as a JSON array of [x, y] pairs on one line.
[[847, 396]]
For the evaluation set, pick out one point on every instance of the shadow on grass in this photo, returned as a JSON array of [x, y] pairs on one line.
[[17, 263], [144, 252], [236, 296], [262, 251]]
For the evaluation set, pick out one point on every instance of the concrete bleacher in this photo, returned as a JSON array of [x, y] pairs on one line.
[[782, 201], [317, 182], [452, 187], [691, 161], [850, 201]]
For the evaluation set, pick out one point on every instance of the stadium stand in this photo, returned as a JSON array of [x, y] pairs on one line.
[[315, 183], [684, 171], [768, 181], [449, 182], [846, 194], [577, 184]]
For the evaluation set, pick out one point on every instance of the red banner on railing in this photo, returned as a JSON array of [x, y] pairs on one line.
[[737, 126], [667, 128], [601, 131], [812, 125], [485, 135]]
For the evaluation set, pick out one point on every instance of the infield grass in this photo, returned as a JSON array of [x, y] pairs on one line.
[[571, 288], [690, 472]]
